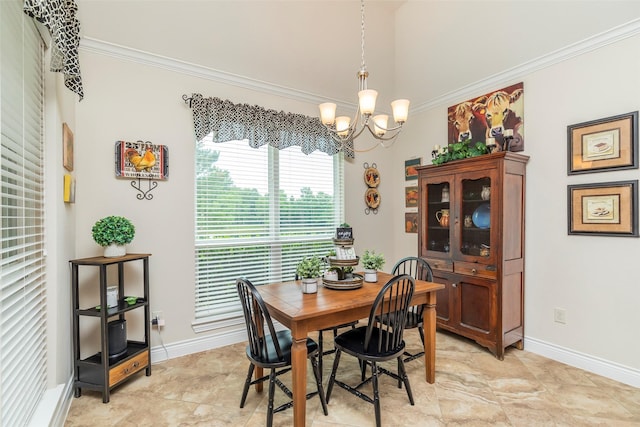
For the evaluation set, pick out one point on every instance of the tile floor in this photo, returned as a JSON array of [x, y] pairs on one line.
[[472, 388]]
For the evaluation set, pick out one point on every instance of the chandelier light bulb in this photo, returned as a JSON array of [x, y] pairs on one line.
[[328, 113], [400, 109], [342, 125], [380, 124], [367, 101]]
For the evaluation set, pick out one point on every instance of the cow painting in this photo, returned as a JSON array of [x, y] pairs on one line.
[[488, 116], [466, 122]]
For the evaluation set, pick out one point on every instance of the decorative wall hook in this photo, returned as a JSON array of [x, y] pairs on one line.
[[145, 195]]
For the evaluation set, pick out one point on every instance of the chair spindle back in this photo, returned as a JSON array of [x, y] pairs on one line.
[[256, 317], [392, 300]]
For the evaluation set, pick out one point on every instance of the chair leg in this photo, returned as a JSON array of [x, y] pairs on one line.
[[247, 384], [320, 350], [376, 394], [272, 389], [318, 375], [403, 374], [399, 380], [332, 378]]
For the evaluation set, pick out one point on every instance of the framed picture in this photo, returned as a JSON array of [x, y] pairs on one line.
[[69, 192], [67, 147], [142, 160], [604, 209], [410, 171], [411, 197], [490, 116], [411, 222], [605, 144]]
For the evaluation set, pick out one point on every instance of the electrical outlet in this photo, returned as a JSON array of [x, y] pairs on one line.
[[157, 319], [560, 315]]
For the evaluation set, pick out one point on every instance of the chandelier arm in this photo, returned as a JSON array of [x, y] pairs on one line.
[[397, 127], [381, 138]]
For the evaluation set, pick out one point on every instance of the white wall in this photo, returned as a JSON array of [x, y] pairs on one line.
[[593, 278], [129, 101]]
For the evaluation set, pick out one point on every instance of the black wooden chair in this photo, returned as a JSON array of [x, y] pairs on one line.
[[377, 342], [419, 269], [271, 350]]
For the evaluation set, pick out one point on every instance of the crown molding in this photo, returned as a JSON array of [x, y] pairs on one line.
[[101, 47], [518, 72], [621, 32]]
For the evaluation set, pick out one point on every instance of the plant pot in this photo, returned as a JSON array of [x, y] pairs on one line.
[[115, 251], [331, 275], [370, 275], [309, 286]]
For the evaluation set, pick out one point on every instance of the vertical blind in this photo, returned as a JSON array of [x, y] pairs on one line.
[[22, 270], [258, 213]]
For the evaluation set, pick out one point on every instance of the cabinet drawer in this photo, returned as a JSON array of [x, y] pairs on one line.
[[128, 368], [440, 264], [475, 269]]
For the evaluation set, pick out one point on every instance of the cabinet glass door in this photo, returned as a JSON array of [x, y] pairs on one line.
[[476, 217], [438, 217]]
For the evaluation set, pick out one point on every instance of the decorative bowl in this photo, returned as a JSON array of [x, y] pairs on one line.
[[482, 216]]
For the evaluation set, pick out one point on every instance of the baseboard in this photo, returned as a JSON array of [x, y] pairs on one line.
[[587, 362], [196, 345], [54, 406]]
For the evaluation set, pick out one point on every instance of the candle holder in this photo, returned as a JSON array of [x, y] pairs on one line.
[[508, 136], [492, 147]]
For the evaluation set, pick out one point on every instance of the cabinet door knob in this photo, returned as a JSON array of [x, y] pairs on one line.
[[454, 285], [474, 271]]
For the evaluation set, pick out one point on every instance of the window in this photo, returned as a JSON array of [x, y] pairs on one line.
[[22, 279], [258, 213]]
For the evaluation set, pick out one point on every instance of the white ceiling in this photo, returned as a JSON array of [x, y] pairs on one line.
[[420, 49]]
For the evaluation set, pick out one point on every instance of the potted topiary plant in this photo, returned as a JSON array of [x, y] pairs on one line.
[[371, 262], [309, 270], [113, 233]]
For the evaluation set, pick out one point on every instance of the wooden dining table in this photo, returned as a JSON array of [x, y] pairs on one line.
[[305, 313]]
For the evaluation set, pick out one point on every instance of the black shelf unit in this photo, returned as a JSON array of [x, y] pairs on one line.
[[99, 372]]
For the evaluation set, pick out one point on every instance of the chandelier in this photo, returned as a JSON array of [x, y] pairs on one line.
[[343, 129]]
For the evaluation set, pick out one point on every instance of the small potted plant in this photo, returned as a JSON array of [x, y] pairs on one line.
[[113, 233], [331, 273], [309, 270], [371, 262]]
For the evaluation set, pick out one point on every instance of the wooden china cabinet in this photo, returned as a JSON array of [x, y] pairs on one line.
[[471, 231]]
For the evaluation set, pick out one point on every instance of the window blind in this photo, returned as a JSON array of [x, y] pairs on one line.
[[22, 269], [258, 213]]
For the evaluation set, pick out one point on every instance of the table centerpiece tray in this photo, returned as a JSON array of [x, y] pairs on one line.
[[354, 282], [336, 262]]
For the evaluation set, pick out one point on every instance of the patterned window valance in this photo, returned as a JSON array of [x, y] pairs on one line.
[[59, 16], [229, 121]]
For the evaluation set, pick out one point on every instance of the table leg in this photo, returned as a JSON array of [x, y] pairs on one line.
[[299, 375], [258, 372], [429, 323]]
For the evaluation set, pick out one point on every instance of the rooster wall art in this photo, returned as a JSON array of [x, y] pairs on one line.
[[144, 162], [141, 159]]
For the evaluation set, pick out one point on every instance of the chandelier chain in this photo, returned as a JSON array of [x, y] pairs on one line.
[[362, 65]]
